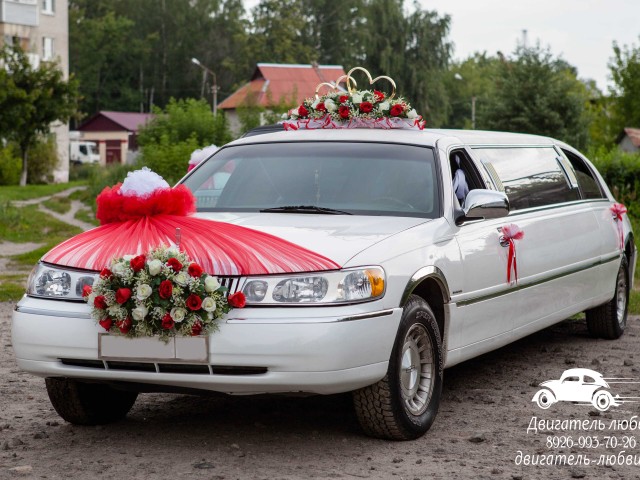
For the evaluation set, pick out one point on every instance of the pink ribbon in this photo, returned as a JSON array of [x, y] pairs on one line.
[[618, 210], [510, 233]]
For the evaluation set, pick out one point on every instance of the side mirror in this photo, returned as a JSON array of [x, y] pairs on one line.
[[481, 204]]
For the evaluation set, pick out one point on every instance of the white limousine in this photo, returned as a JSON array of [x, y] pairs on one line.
[[447, 245]]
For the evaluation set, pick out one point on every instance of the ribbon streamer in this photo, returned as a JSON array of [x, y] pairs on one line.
[[618, 210], [510, 233]]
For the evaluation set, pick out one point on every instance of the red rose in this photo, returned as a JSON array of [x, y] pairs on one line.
[[379, 96], [302, 111], [237, 300], [344, 98], [137, 263], [366, 107], [167, 322], [175, 264], [196, 329], [124, 325], [122, 295], [320, 107], [106, 324], [195, 270], [165, 289], [86, 290], [396, 110], [106, 273], [100, 302], [194, 302], [344, 112]]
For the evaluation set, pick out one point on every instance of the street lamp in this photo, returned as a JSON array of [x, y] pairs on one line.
[[214, 87]]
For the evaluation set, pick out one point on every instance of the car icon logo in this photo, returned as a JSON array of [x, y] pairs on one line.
[[578, 385]]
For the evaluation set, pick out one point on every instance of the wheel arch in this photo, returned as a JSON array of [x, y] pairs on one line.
[[430, 284]]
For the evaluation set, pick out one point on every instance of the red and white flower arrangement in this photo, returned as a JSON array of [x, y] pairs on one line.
[[357, 109], [162, 293]]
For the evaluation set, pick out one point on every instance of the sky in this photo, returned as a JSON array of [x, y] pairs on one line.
[[580, 31]]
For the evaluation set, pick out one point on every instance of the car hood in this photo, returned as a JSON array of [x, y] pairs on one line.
[[337, 237]]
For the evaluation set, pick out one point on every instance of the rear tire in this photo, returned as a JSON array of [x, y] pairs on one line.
[[609, 320], [404, 404], [83, 403]]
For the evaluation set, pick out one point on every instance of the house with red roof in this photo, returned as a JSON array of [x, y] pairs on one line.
[[274, 83], [115, 133]]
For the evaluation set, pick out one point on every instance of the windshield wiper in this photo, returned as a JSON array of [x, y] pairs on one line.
[[304, 209]]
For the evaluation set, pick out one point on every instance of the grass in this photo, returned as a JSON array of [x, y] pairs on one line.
[[12, 287], [13, 192], [87, 216], [27, 224], [58, 204]]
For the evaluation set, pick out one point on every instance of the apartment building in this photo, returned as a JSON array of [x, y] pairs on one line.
[[41, 27]]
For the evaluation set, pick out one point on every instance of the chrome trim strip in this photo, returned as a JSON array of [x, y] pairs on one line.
[[423, 274], [601, 261], [281, 321], [51, 313]]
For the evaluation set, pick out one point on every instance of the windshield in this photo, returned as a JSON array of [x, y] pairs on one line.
[[319, 177]]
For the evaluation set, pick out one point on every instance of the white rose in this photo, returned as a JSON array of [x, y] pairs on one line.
[[411, 114], [119, 269], [178, 314], [284, 116], [209, 304], [128, 258], [383, 106], [356, 98], [143, 292], [182, 279], [172, 252], [330, 105], [139, 313], [293, 113], [155, 266], [211, 284]]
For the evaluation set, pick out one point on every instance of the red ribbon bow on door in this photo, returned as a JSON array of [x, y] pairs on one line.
[[510, 233], [618, 210]]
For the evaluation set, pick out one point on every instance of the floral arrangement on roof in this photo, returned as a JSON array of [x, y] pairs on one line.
[[162, 293], [353, 108]]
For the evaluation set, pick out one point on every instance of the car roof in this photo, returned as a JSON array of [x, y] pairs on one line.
[[272, 133], [581, 371]]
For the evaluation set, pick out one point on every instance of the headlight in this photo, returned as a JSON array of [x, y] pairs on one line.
[[50, 281], [345, 286]]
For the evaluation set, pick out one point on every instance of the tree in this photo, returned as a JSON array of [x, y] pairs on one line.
[[625, 73], [169, 139], [537, 93], [32, 99]]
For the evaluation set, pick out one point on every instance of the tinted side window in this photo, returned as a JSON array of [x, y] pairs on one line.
[[586, 181], [530, 176]]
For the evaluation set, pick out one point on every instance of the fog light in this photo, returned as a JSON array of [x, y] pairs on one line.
[[255, 290]]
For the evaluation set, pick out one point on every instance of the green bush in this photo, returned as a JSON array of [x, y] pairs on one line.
[[169, 159], [42, 160], [621, 171], [169, 139], [10, 165]]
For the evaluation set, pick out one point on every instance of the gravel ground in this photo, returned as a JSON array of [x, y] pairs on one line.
[[479, 432]]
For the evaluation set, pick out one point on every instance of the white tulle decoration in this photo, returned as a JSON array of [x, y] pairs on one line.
[[141, 183], [202, 154]]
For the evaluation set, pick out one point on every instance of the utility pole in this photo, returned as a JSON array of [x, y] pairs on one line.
[[214, 87]]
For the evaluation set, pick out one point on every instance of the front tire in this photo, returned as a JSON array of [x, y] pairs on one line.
[[404, 404], [602, 400], [609, 320], [83, 403]]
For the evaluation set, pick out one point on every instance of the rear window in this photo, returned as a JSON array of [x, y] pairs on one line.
[[358, 178], [530, 176]]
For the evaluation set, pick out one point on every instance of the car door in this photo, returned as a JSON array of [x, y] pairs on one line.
[[552, 257]]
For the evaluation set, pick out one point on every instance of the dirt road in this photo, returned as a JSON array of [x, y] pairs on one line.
[[480, 432]]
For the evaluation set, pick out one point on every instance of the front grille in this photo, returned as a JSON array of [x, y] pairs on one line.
[[232, 283], [184, 368]]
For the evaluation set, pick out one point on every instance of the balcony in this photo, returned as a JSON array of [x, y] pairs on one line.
[[19, 12]]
